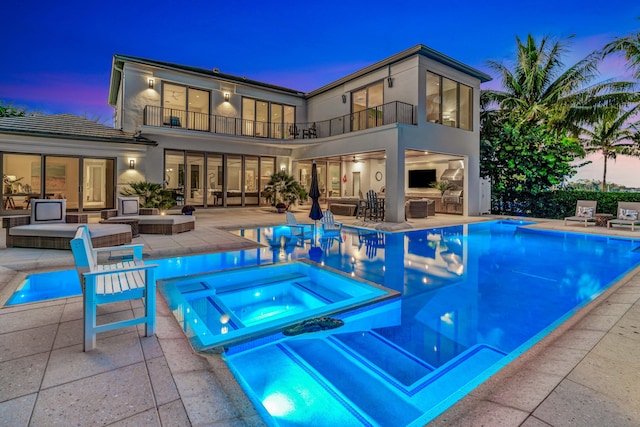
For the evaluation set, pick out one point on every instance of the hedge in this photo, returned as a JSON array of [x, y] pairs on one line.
[[559, 204]]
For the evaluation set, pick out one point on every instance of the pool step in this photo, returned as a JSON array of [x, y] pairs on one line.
[[376, 375], [369, 394]]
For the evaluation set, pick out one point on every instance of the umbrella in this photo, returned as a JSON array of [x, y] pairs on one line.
[[314, 193]]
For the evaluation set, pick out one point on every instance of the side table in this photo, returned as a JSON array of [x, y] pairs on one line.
[[133, 222], [602, 218]]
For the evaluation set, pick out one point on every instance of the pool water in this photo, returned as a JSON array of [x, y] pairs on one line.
[[238, 305], [474, 297]]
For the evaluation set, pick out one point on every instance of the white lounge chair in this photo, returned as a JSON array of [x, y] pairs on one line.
[[329, 225], [585, 212], [628, 214], [109, 283], [298, 229]]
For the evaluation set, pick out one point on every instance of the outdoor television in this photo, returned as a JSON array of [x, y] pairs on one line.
[[422, 178]]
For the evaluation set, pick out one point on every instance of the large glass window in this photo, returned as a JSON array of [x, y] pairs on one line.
[[251, 178], [449, 102], [174, 175], [195, 179], [334, 179], [215, 178], [185, 107], [61, 179], [98, 183], [466, 110], [267, 169], [234, 180], [21, 180], [366, 107], [267, 119]]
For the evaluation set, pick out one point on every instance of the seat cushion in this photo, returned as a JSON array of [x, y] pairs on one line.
[[48, 211], [67, 230], [159, 219]]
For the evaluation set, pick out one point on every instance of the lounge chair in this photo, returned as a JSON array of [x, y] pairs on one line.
[[329, 224], [585, 212], [298, 229], [627, 215], [149, 222], [105, 284]]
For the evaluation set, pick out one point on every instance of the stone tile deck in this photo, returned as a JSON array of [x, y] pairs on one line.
[[585, 373]]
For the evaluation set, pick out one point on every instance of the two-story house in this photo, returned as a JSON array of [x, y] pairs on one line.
[[398, 127]]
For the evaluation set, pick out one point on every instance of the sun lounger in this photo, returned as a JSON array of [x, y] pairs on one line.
[[585, 212], [627, 215]]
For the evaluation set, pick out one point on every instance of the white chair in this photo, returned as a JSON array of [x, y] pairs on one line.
[[105, 284], [585, 212], [298, 229], [329, 224]]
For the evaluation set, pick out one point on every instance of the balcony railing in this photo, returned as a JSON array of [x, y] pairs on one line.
[[392, 112]]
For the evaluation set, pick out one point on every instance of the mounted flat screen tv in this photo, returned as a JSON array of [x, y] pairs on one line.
[[422, 178]]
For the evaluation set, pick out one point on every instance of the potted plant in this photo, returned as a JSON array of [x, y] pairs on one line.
[[283, 190], [151, 195], [188, 210], [442, 186]]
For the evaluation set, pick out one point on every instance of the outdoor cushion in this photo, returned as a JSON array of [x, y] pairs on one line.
[[128, 206], [159, 219], [585, 212], [628, 214], [67, 230], [48, 211]]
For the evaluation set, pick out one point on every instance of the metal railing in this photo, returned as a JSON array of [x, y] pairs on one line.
[[392, 112]]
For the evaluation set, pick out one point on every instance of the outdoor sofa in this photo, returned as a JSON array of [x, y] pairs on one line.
[[50, 227], [149, 222]]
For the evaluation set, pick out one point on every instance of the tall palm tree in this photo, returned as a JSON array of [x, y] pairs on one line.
[[540, 90], [630, 45], [612, 135]]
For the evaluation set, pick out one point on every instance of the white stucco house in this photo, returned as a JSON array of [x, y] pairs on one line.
[[214, 139]]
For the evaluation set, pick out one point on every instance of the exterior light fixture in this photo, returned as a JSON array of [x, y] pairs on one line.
[[389, 82], [150, 83], [132, 163], [344, 98], [227, 96]]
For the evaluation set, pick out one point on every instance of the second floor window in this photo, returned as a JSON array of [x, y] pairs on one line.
[[185, 107], [449, 102], [268, 119], [366, 107]]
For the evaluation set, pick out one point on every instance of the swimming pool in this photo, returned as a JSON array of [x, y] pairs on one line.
[[474, 297]]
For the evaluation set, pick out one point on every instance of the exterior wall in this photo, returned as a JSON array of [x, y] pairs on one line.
[[408, 85]]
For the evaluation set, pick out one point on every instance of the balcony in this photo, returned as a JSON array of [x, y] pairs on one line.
[[392, 112]]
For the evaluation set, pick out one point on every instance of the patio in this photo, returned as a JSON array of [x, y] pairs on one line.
[[585, 373]]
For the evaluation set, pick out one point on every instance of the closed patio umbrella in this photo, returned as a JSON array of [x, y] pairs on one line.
[[314, 193]]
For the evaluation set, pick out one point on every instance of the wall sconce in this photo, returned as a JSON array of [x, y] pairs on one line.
[[132, 163], [227, 96], [389, 82], [150, 83], [283, 169], [344, 98]]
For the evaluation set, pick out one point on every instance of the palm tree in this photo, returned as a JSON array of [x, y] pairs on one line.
[[539, 90], [630, 45], [612, 135]]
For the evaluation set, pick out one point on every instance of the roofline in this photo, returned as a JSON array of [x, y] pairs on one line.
[[79, 137], [419, 49], [119, 60]]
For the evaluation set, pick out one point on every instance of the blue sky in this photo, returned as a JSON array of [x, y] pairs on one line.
[[56, 56]]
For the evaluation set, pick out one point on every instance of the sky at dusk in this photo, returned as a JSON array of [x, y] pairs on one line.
[[56, 56]]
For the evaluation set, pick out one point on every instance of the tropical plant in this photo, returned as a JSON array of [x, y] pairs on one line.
[[630, 46], [612, 136], [283, 190], [8, 110], [151, 195], [442, 186]]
